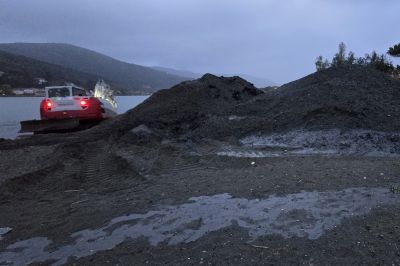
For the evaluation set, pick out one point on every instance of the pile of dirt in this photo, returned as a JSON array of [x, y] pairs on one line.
[[186, 107], [352, 97], [221, 108]]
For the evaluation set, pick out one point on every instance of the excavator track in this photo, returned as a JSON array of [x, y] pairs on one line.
[[56, 125]]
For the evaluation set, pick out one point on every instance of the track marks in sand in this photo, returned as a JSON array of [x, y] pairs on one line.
[[21, 162], [178, 165]]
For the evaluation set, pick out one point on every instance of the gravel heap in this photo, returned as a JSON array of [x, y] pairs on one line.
[[348, 97], [221, 108], [188, 106]]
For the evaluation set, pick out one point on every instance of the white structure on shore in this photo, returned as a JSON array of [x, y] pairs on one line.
[[103, 91], [41, 81]]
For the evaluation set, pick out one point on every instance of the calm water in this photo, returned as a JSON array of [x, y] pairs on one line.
[[15, 109]]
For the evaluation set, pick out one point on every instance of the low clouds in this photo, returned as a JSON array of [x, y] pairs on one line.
[[278, 40]]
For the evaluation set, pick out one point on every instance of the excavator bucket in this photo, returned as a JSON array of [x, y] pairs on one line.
[[47, 126]]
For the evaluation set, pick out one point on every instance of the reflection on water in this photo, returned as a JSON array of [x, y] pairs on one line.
[[16, 109], [305, 214]]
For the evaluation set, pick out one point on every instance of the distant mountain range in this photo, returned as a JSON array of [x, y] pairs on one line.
[[130, 78], [257, 81], [23, 63]]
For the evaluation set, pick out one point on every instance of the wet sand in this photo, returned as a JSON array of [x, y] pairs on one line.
[[165, 204]]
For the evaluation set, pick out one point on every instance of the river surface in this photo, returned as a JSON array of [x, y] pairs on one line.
[[16, 109]]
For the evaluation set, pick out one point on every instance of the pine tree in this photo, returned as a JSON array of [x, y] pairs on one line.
[[351, 58], [394, 51], [340, 56], [321, 63]]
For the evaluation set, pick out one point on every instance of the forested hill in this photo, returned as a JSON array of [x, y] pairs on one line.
[[130, 77], [21, 72]]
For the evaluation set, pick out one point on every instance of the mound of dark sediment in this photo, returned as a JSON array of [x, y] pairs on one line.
[[346, 97], [189, 106], [217, 107]]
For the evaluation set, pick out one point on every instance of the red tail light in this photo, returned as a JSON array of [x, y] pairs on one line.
[[84, 104], [47, 105]]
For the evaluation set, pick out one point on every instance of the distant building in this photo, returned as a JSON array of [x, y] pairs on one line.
[[18, 91], [41, 81], [28, 91], [1, 73]]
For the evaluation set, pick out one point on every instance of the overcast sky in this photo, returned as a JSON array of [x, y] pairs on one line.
[[274, 39]]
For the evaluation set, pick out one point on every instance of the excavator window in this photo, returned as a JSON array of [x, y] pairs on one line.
[[78, 92], [58, 92]]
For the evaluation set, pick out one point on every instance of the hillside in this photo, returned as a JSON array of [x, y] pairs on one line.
[[21, 71], [257, 81], [182, 73], [133, 78]]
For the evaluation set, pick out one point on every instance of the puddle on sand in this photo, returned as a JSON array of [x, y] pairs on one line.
[[322, 142], [305, 214], [254, 153]]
